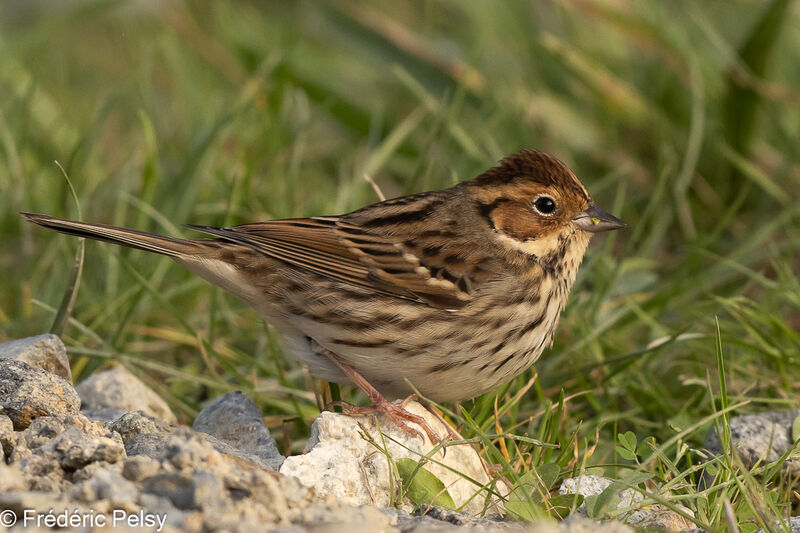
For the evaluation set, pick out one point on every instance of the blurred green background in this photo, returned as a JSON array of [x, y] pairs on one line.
[[681, 117]]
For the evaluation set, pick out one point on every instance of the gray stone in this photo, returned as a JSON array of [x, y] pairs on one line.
[[43, 503], [156, 446], [153, 445], [429, 518], [438, 520], [12, 478], [275, 493], [577, 523], [192, 474], [198, 490], [140, 467], [759, 437], [159, 504], [20, 500], [119, 388], [39, 433], [73, 449], [106, 484], [138, 422], [52, 449], [186, 446], [357, 519], [43, 474], [42, 351], [26, 393], [104, 415], [226, 449], [187, 452], [336, 518], [43, 429], [8, 438], [87, 472], [234, 419], [662, 518], [456, 518]]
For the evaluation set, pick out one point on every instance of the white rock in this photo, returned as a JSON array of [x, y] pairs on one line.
[[119, 388], [794, 525], [653, 516], [593, 485], [339, 462]]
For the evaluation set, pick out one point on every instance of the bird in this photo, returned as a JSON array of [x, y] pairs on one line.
[[450, 292]]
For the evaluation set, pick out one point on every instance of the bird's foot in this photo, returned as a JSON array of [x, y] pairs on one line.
[[396, 412]]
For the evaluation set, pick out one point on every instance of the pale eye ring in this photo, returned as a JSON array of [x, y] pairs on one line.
[[544, 205]]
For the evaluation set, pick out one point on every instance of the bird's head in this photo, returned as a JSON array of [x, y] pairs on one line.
[[534, 203]]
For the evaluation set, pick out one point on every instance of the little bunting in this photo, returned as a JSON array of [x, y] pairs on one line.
[[454, 291]]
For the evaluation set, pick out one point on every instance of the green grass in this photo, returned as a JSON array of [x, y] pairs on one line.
[[680, 117]]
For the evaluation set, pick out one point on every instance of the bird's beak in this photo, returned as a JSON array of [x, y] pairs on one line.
[[595, 220]]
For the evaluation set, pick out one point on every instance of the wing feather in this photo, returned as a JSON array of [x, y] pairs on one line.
[[347, 252]]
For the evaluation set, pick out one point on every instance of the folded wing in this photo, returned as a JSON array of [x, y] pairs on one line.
[[417, 267]]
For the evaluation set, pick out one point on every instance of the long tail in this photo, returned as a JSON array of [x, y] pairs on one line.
[[123, 236]]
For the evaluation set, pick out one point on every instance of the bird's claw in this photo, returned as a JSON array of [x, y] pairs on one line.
[[397, 413]]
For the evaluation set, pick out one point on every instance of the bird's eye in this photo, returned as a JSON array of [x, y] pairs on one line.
[[544, 205]]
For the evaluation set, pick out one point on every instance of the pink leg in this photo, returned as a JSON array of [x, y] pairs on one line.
[[394, 412]]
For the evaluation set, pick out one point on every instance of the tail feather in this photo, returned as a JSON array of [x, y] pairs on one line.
[[126, 237]]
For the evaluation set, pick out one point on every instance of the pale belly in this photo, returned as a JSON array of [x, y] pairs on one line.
[[447, 358]]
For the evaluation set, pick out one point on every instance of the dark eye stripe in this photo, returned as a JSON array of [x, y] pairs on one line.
[[486, 209]]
